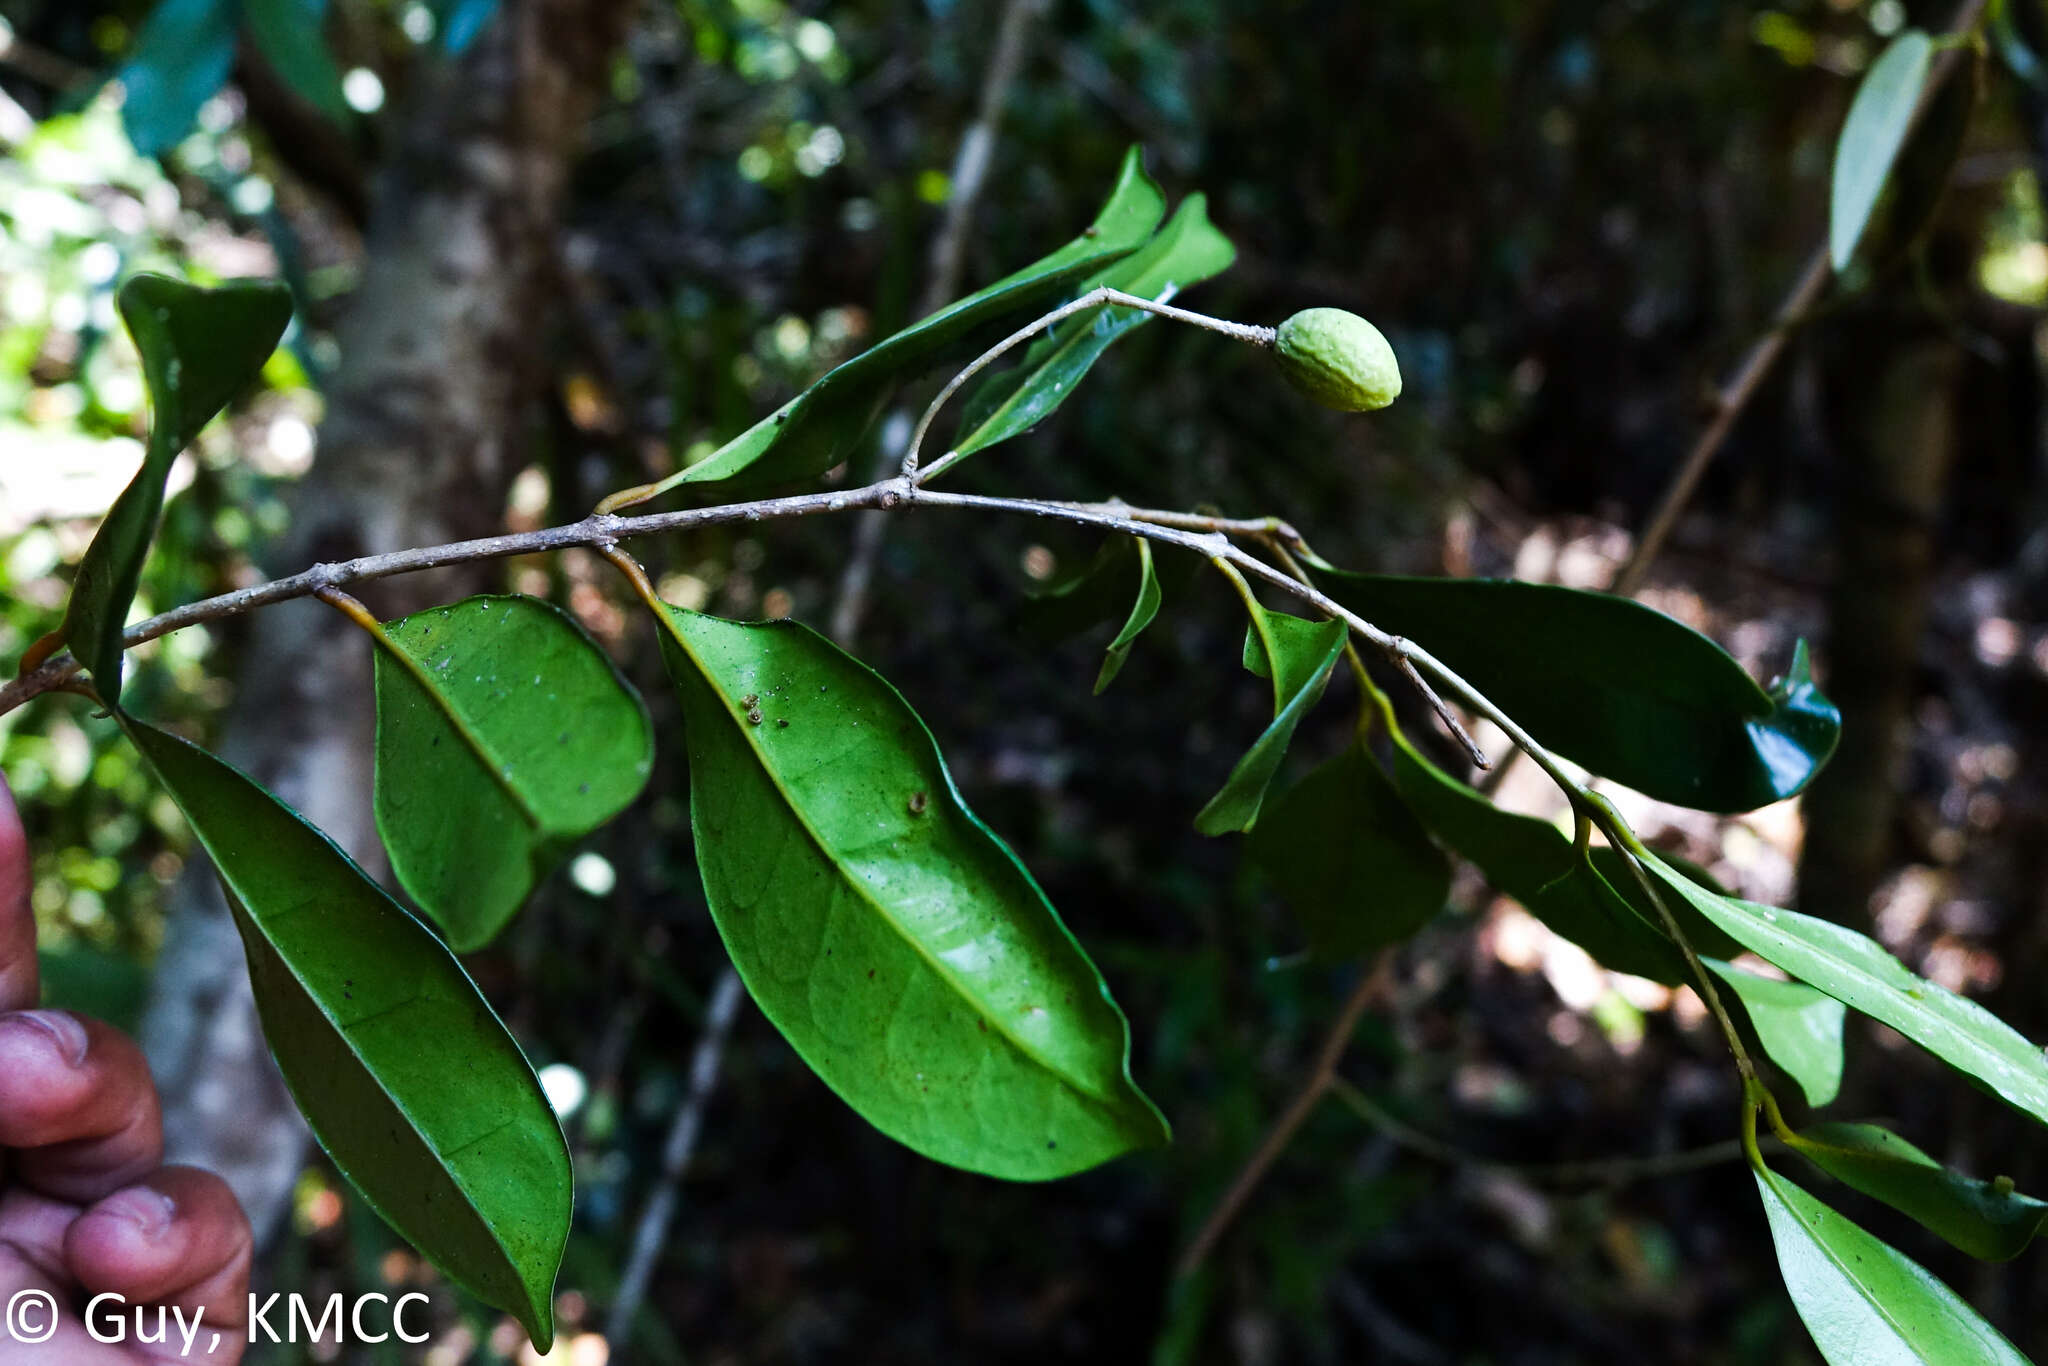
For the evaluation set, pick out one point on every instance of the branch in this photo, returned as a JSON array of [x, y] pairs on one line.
[[651, 1235], [1322, 1076], [1762, 356]]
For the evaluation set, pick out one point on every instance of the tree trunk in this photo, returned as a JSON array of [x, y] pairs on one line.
[[441, 353], [1895, 472]]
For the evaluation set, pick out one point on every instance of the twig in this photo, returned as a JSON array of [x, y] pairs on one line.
[[1094, 298], [1313, 1087], [651, 1234], [1606, 1171]]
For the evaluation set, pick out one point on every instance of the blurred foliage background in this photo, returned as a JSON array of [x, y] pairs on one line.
[[1570, 216]]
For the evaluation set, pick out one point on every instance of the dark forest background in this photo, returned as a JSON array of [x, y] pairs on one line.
[[604, 236]]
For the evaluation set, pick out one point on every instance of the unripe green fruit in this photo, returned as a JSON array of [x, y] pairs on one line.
[[1338, 359]]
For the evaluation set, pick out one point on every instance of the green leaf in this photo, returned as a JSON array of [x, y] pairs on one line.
[[181, 56], [1920, 175], [504, 735], [1534, 862], [1351, 858], [1858, 972], [1187, 251], [1800, 1028], [290, 35], [1871, 137], [1297, 655], [898, 945], [821, 426], [1143, 610], [199, 348], [403, 1071], [1987, 1219], [1627, 691], [1865, 1302]]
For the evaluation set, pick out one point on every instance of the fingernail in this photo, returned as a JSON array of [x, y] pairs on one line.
[[56, 1028], [145, 1207]]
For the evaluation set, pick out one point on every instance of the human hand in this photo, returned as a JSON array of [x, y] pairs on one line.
[[86, 1205]]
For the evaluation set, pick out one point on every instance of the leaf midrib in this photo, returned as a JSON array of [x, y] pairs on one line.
[[866, 894], [1870, 1297]]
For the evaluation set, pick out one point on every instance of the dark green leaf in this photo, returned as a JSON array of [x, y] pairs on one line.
[[289, 34], [1534, 862], [821, 426], [1085, 596], [1800, 1028], [1627, 691], [1858, 972], [1187, 251], [1143, 610], [898, 945], [406, 1076], [1871, 137], [1350, 857], [180, 58], [1297, 655], [504, 734], [199, 347], [1987, 1219], [1865, 1302]]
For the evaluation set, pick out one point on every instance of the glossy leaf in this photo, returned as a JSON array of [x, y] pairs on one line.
[[1800, 1028], [199, 347], [1352, 860], [1534, 862], [1143, 610], [1871, 136], [1296, 655], [1624, 690], [898, 945], [289, 34], [504, 735], [403, 1071], [1187, 251], [1856, 971], [822, 425], [1987, 1219], [1865, 1302], [180, 58]]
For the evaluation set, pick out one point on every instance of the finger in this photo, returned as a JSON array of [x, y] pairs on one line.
[[19, 987], [77, 1102], [178, 1238]]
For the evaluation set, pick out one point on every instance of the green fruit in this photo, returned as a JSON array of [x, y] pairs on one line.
[[1338, 359]]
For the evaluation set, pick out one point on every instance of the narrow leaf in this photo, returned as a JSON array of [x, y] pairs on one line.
[[504, 735], [290, 35], [1865, 1302], [181, 57], [1534, 862], [199, 347], [1987, 1219], [1351, 858], [821, 426], [1858, 972], [1627, 691], [898, 945], [1800, 1028], [1297, 655], [1142, 612], [1187, 251], [1871, 137], [406, 1076]]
